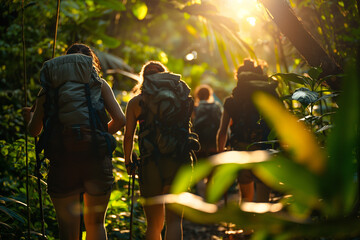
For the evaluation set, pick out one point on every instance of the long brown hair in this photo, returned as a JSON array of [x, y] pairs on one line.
[[149, 68], [86, 50]]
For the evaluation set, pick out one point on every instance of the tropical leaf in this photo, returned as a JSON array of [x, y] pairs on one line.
[[342, 145], [279, 172], [12, 214], [222, 47], [257, 216], [223, 177], [331, 95], [225, 32], [314, 72], [325, 79], [289, 77], [6, 225], [6, 199], [305, 96], [324, 128], [293, 135], [41, 180], [204, 167]]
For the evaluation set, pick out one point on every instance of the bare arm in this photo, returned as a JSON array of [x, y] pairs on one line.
[[132, 112], [112, 106], [34, 119], [222, 133]]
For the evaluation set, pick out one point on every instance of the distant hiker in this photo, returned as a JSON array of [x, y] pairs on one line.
[[246, 124], [163, 109], [206, 119], [77, 138]]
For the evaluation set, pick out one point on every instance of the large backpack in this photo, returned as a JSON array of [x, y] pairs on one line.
[[206, 124], [248, 126], [75, 119], [166, 111]]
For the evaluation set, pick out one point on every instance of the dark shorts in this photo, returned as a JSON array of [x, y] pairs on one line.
[[72, 174], [154, 175]]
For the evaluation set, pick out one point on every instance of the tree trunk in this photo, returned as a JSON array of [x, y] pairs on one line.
[[303, 41]]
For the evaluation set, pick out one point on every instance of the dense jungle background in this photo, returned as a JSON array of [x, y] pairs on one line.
[[311, 47]]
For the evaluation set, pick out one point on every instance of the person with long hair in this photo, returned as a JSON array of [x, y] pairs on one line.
[[83, 172], [156, 170]]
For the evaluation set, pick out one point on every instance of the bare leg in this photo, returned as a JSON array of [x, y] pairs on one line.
[[68, 211], [94, 216], [155, 215], [174, 229], [262, 192], [247, 195], [247, 191]]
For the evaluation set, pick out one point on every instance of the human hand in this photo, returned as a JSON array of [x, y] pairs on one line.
[[132, 165], [27, 114], [131, 168]]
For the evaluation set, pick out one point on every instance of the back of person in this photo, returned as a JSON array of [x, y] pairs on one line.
[[69, 110], [206, 124], [76, 121], [166, 109], [247, 124], [163, 110]]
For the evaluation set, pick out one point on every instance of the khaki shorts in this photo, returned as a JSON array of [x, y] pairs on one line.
[[154, 175], [80, 173]]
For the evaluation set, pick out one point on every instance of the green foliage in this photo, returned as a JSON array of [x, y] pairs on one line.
[[316, 100], [138, 31], [302, 171], [140, 10], [334, 23], [13, 209], [118, 214], [13, 185]]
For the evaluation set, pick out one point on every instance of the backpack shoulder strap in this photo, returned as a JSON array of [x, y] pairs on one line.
[[50, 118]]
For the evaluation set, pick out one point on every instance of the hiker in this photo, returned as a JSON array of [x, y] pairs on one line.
[[80, 162], [163, 108], [246, 125], [206, 120]]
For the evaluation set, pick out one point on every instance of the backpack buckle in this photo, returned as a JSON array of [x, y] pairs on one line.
[[76, 130]]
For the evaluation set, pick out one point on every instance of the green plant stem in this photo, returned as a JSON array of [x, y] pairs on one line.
[[26, 135]]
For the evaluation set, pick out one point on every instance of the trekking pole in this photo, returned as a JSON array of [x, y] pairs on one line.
[[39, 177], [132, 204], [81, 198], [26, 135], [134, 165]]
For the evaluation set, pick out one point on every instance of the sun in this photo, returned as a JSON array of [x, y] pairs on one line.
[[242, 11]]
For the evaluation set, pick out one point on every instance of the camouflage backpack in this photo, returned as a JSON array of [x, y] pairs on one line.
[[166, 111]]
